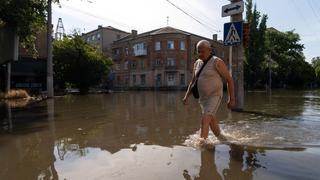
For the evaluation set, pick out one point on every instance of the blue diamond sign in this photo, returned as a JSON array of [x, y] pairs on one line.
[[232, 33]]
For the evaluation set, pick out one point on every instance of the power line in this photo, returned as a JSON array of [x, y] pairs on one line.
[[314, 12], [102, 18], [206, 26], [304, 19], [203, 14]]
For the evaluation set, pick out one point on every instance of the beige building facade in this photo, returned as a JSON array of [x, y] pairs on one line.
[[158, 59], [103, 37]]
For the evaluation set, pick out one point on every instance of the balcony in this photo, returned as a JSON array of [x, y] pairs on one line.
[[140, 52]]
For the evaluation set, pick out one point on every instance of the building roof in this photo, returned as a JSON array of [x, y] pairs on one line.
[[115, 29], [108, 27], [164, 30], [168, 30]]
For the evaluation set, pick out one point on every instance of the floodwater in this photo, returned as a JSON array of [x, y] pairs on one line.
[[151, 135]]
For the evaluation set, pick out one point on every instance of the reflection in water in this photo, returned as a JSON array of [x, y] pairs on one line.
[[145, 162], [208, 169], [140, 135]]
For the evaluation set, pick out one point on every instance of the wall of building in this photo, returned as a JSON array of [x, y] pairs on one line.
[[156, 69], [103, 37]]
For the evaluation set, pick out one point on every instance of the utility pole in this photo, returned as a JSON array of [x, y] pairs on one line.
[[237, 70], [49, 49]]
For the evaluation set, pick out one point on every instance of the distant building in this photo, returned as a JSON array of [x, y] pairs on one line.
[[160, 59], [103, 37], [28, 72]]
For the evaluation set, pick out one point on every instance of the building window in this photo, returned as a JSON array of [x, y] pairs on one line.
[[157, 46], [126, 81], [118, 67], [133, 65], [170, 77], [126, 65], [127, 51], [143, 79], [222, 54], [134, 79], [158, 62], [140, 49], [118, 36], [182, 79], [182, 45], [170, 45], [182, 62], [98, 36], [142, 64], [93, 37], [171, 62], [117, 51], [118, 80], [88, 39], [158, 80]]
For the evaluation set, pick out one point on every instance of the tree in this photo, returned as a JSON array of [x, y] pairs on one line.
[[255, 52], [287, 51], [78, 63], [26, 16], [316, 66]]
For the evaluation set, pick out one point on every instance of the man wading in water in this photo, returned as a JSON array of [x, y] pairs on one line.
[[210, 87]]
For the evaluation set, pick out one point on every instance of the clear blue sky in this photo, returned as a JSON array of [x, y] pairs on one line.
[[146, 15]]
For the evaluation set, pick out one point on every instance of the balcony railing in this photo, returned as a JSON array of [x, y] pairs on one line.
[[140, 52]]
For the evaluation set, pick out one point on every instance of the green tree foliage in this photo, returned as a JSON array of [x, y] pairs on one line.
[[255, 53], [286, 50], [316, 65], [78, 63], [288, 66], [26, 16]]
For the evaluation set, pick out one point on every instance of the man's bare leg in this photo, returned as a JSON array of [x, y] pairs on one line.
[[214, 126], [205, 123]]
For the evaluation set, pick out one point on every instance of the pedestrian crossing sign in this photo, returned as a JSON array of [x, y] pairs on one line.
[[232, 33]]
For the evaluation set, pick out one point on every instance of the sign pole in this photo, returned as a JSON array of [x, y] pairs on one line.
[[230, 60], [237, 57]]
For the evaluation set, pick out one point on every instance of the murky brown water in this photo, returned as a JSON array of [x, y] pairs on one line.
[[151, 135]]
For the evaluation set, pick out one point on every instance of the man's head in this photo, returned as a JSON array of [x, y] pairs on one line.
[[203, 49]]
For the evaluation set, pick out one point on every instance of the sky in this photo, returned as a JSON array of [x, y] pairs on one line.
[[302, 16]]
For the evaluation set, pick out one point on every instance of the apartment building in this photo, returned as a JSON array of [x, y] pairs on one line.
[[158, 59], [103, 37]]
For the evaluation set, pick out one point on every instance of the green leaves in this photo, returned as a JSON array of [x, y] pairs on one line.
[[27, 16], [316, 65], [78, 63], [255, 53], [284, 48]]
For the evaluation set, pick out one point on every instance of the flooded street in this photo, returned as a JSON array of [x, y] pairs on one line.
[[151, 135]]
